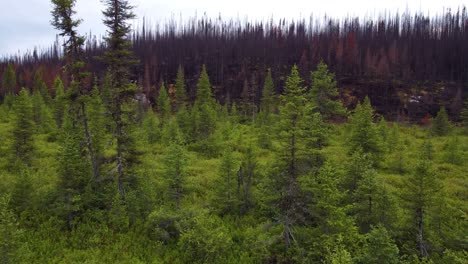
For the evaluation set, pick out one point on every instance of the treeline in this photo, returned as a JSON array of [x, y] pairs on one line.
[[388, 57], [204, 182]]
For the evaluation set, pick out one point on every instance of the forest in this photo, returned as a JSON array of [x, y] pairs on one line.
[[218, 141]]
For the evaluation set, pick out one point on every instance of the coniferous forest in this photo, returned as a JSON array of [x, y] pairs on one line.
[[212, 141]]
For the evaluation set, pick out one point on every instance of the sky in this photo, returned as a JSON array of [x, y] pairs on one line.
[[25, 24]]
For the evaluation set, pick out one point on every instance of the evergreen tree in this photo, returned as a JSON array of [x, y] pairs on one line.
[[8, 80], [267, 105], [97, 122], [246, 178], [119, 58], [453, 153], [364, 134], [324, 93], [380, 247], [73, 172], [176, 172], [24, 128], [330, 215], [60, 102], [418, 194], [151, 126], [204, 94], [227, 200], [204, 111], [441, 124], [288, 169], [9, 231], [62, 19], [41, 87], [181, 89], [42, 115], [164, 103]]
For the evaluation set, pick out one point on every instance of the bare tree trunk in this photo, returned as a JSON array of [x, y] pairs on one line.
[[419, 217]]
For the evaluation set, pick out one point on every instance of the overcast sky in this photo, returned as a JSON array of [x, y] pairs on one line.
[[25, 24]]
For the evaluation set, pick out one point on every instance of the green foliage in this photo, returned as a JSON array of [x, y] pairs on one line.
[[176, 172], [23, 145], [380, 247], [441, 124], [364, 134], [164, 103], [324, 93], [267, 105], [42, 115], [204, 187], [204, 94], [10, 233], [214, 246], [60, 102], [452, 152], [8, 80]]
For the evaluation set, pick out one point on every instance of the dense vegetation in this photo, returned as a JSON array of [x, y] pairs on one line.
[[101, 176]]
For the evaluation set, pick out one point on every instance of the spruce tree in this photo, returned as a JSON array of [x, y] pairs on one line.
[[441, 124], [60, 102], [10, 233], [8, 80], [418, 194], [227, 200], [73, 172], [63, 20], [364, 134], [119, 59], [267, 105], [288, 169], [204, 110], [176, 172], [164, 103], [380, 247], [23, 130], [324, 94]]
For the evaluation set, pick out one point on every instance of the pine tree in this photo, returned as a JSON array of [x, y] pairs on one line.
[[324, 93], [119, 58], [181, 89], [23, 130], [41, 87], [441, 124], [164, 103], [8, 80]]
